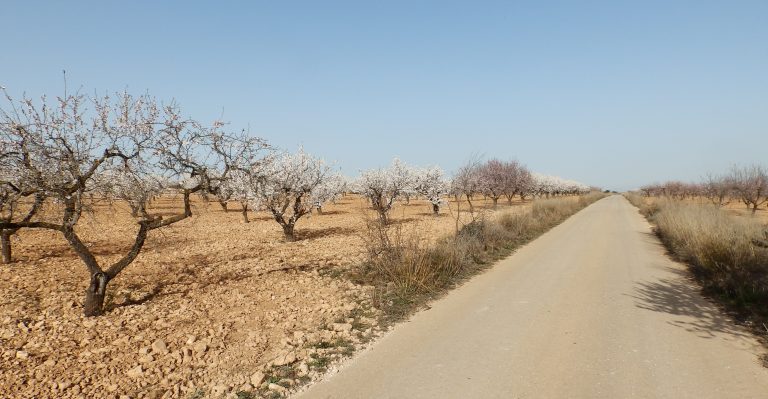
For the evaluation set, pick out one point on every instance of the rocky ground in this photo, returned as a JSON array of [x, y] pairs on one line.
[[212, 307]]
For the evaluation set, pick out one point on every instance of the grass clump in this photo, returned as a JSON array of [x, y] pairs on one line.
[[729, 254], [408, 269]]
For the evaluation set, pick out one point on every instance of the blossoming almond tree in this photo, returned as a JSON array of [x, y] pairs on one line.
[[63, 149], [430, 182], [328, 191], [287, 188], [384, 186], [495, 179]]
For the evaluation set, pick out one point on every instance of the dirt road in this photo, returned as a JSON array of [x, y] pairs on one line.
[[592, 309]]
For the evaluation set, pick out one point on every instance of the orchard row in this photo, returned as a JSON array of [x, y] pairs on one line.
[[66, 152]]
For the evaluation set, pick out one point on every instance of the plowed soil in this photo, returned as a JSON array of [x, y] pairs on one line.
[[208, 307]]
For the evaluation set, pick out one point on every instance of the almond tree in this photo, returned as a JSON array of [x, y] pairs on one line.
[[545, 185], [329, 189], [495, 180], [430, 182], [223, 193], [241, 186], [751, 185], [385, 185], [467, 182], [717, 189], [517, 180], [13, 208], [523, 182], [121, 184], [19, 200], [63, 148], [287, 188]]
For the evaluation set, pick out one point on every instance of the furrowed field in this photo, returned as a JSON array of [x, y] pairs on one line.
[[208, 306]]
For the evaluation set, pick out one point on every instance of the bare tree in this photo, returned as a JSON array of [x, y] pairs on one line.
[[751, 185], [717, 189], [63, 149], [467, 182]]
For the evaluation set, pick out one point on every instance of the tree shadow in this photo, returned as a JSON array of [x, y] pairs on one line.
[[127, 300], [324, 232], [330, 213], [680, 296], [166, 288]]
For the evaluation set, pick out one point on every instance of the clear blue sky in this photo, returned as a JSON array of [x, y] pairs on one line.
[[611, 93]]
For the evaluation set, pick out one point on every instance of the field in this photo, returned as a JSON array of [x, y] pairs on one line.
[[209, 305], [736, 208]]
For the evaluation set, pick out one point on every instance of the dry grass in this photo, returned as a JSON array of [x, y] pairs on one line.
[[409, 268], [728, 253]]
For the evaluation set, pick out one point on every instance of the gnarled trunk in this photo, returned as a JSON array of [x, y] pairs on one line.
[[435, 209], [288, 232], [223, 205], [94, 295]]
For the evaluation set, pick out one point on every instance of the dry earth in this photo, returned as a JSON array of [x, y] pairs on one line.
[[737, 208], [212, 305]]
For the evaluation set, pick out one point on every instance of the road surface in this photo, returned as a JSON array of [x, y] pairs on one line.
[[592, 309]]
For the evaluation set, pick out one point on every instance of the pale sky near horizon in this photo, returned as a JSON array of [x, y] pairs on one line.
[[614, 94]]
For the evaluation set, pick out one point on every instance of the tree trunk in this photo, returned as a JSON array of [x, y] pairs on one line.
[[288, 232], [495, 201], [94, 295], [245, 213], [6, 245], [223, 206], [469, 201], [436, 209], [383, 217]]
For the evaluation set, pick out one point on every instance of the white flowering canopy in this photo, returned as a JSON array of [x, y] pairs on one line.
[[553, 185], [385, 185], [288, 187], [430, 182], [329, 189]]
